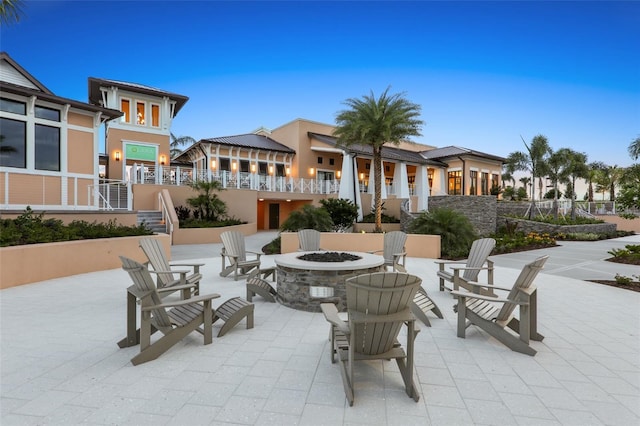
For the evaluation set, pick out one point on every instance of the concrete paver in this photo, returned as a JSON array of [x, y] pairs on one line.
[[60, 363]]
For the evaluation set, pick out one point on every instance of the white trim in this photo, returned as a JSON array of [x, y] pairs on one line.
[[321, 149]]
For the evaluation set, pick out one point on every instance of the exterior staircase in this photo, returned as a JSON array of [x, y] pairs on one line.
[[153, 220]]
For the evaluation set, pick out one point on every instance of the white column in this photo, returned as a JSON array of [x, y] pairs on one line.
[[356, 184], [443, 182], [401, 181], [422, 188], [372, 189]]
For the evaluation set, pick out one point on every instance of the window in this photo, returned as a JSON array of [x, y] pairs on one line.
[[495, 181], [332, 161], [455, 183], [430, 177], [47, 148], [47, 113], [140, 113], [387, 168], [319, 160], [225, 164], [244, 166], [9, 105], [279, 169], [155, 115], [367, 166], [484, 183], [473, 188], [13, 142], [262, 168], [125, 107]]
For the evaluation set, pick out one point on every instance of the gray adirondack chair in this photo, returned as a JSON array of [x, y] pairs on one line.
[[166, 276], [173, 319], [496, 316], [467, 270], [393, 250], [234, 250], [309, 240], [378, 307]]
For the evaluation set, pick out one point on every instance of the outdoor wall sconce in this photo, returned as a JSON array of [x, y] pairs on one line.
[[213, 164], [163, 160], [117, 155], [270, 170], [253, 168], [338, 174], [362, 176], [288, 171], [234, 166], [312, 171]]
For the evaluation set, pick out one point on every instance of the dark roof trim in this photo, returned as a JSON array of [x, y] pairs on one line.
[[388, 152], [5, 56], [95, 95], [251, 141], [25, 91], [456, 151]]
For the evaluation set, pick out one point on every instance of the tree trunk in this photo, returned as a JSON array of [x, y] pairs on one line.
[[573, 199], [377, 179]]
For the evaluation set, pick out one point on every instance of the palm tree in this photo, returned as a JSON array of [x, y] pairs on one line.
[[593, 170], [576, 169], [557, 172], [10, 11], [374, 122], [176, 143], [526, 183], [634, 148], [534, 161]]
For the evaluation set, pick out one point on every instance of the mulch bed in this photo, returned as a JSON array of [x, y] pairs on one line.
[[613, 283]]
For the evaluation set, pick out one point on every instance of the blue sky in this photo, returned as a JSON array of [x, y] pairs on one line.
[[485, 73]]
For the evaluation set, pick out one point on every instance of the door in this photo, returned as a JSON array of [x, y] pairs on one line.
[[274, 216]]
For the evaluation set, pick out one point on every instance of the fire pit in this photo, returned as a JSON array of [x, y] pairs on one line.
[[305, 280]]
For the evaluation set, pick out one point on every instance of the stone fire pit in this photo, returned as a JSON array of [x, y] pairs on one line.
[[305, 284]]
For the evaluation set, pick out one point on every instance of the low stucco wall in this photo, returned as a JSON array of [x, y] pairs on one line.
[[622, 224], [370, 227], [209, 235], [424, 246], [37, 262]]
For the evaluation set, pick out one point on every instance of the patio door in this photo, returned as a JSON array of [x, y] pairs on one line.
[[274, 216]]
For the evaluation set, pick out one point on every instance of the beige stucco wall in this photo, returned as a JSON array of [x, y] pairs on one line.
[[423, 246], [122, 218], [208, 235], [631, 225], [37, 262], [80, 154], [114, 143]]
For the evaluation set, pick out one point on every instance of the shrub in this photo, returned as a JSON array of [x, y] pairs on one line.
[[580, 236], [621, 279], [507, 243], [455, 230], [308, 217], [343, 212], [207, 205], [183, 213], [31, 228]]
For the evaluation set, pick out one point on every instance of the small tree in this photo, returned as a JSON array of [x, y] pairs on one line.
[[629, 196], [308, 217], [455, 230], [207, 205], [342, 212]]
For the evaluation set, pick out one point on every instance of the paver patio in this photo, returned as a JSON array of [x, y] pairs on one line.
[[60, 363]]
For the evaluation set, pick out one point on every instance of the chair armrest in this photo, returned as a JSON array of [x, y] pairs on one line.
[[375, 251], [331, 315], [404, 253], [176, 288], [467, 295], [446, 262], [487, 286], [360, 317], [196, 299], [178, 271], [187, 264], [255, 252], [464, 268]]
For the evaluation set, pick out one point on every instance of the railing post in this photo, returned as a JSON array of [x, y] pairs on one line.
[[129, 197]]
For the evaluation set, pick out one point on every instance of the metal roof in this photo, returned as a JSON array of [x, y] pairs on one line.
[[388, 152], [251, 141], [456, 151], [95, 96]]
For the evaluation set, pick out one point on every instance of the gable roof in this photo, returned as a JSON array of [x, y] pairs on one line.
[[95, 96], [388, 152], [15, 79], [456, 151], [251, 140]]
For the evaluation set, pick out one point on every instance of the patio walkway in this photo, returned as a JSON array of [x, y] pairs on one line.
[[60, 363]]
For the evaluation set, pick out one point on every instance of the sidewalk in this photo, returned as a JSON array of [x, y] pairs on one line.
[[60, 364]]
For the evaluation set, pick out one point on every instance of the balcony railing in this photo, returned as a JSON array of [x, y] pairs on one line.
[[176, 175]]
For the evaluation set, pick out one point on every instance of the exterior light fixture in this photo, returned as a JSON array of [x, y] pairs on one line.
[[288, 201], [270, 170], [253, 168], [117, 155], [234, 166], [213, 164], [361, 176], [163, 160], [312, 171], [338, 174], [288, 171]]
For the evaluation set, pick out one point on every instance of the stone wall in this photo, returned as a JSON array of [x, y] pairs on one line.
[[480, 209], [527, 226]]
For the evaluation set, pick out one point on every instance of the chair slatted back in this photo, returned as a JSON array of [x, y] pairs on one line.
[[309, 239], [524, 281], [233, 242], [394, 242], [144, 284], [158, 259], [379, 293], [478, 254]]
